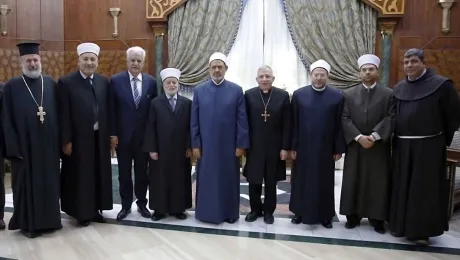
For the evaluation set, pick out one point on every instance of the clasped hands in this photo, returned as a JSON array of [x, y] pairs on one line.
[[154, 156], [197, 152], [336, 157], [366, 141]]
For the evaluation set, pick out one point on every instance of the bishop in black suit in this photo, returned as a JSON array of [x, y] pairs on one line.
[[269, 114]]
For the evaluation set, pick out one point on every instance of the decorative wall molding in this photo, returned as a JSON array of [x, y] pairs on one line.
[[388, 8]]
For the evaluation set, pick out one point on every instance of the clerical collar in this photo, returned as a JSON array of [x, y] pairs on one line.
[[139, 77], [318, 89], [370, 87], [218, 83], [266, 91], [84, 76], [421, 75]]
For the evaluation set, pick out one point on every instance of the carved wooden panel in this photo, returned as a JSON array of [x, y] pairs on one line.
[[110, 62], [388, 7], [52, 64], [57, 64], [158, 10], [444, 62]]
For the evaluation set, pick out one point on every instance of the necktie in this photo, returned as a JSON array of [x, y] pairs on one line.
[[172, 103], [137, 96], [95, 107]]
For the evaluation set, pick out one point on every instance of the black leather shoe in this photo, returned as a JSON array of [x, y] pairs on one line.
[[230, 221], [268, 218], [252, 216], [351, 225], [180, 216], [2, 224], [157, 216], [296, 220], [379, 227], [30, 234], [83, 223], [123, 214], [327, 224], [99, 218], [145, 213]]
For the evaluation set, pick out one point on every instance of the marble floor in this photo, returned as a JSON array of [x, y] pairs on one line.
[[139, 238], [121, 242]]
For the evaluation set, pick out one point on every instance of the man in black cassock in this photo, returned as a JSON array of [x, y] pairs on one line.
[[427, 115], [167, 140], [31, 135], [368, 124], [2, 167], [269, 117], [317, 142], [86, 186]]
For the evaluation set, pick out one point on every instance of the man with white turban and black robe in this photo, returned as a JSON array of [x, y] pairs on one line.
[[86, 175], [317, 142], [368, 124]]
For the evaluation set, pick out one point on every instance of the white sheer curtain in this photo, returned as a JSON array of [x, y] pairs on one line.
[[280, 52], [250, 51], [247, 52]]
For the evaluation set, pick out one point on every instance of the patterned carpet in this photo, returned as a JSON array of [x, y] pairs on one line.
[[283, 192]]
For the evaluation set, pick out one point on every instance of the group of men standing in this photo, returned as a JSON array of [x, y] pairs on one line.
[[394, 142]]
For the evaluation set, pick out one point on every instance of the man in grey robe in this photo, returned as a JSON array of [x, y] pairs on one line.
[[368, 123]]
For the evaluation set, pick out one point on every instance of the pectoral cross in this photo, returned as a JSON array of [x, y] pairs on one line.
[[41, 113], [265, 115]]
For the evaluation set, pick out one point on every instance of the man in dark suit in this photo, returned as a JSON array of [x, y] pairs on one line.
[[130, 95], [2, 168]]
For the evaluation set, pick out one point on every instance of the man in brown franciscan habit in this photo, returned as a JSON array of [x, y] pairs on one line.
[[368, 123], [167, 139], [427, 115], [269, 117], [86, 174], [31, 143]]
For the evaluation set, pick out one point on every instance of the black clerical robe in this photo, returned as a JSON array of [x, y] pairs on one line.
[[86, 174], [317, 135], [366, 173], [427, 115], [33, 149], [267, 138], [168, 134], [2, 161]]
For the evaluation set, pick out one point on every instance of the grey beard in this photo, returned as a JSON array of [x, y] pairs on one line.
[[33, 74]]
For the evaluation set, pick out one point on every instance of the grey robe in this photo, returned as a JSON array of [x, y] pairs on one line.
[[366, 175]]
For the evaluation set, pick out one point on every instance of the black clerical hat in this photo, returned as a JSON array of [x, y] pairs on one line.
[[28, 48]]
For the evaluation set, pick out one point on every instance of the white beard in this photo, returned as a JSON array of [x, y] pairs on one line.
[[33, 74]]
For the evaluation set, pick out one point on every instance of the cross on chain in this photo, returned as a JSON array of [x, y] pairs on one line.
[[265, 115], [41, 113]]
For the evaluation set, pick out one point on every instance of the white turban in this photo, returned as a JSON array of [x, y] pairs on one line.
[[320, 64], [170, 73], [88, 47], [368, 59], [218, 56]]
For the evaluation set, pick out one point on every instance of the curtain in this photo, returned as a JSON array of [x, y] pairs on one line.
[[197, 29], [264, 38], [334, 30]]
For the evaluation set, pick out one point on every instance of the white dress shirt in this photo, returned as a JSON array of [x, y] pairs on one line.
[[139, 83]]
